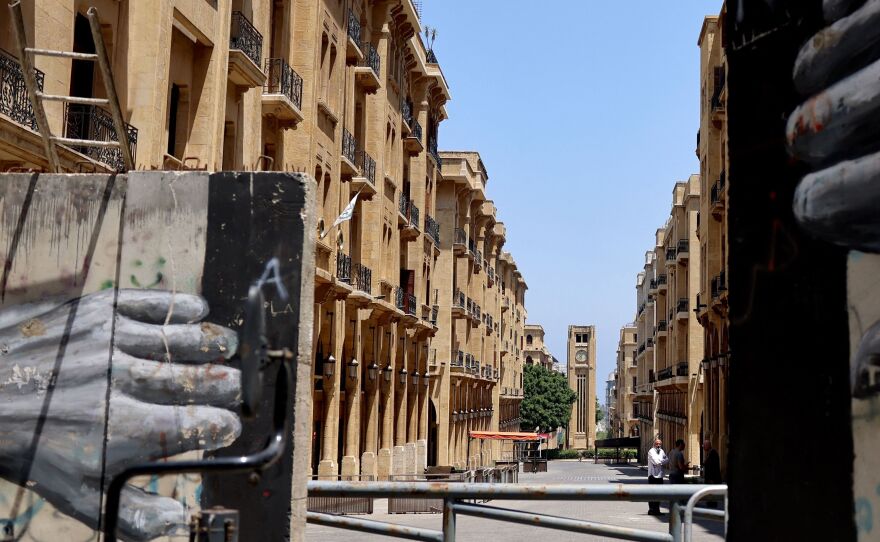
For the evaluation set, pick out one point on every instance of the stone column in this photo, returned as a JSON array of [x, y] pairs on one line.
[[330, 445], [369, 466], [422, 412], [389, 354], [399, 456], [350, 461]]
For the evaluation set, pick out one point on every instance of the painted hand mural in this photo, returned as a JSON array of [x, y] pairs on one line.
[[165, 391]]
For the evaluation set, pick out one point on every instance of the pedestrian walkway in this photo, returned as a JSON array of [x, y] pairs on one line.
[[472, 529]]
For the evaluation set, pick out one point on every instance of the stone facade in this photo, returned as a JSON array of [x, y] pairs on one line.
[[624, 422], [582, 376], [535, 350], [669, 401], [712, 231], [349, 93]]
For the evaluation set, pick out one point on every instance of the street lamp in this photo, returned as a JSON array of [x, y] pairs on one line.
[[402, 375], [372, 370], [427, 379], [353, 369], [415, 378], [387, 372], [329, 365]]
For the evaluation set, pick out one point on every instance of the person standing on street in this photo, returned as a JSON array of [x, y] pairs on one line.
[[656, 461], [711, 464], [677, 465]]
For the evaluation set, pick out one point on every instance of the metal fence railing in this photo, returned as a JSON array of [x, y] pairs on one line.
[[341, 505], [457, 498]]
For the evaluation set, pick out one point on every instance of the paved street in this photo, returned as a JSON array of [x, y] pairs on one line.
[[560, 472]]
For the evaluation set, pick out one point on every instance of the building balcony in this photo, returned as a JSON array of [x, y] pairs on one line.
[[14, 100], [412, 142], [472, 249], [432, 229], [348, 158], [435, 312], [701, 305], [661, 329], [410, 228], [245, 53], [652, 286], [505, 304], [362, 278], [367, 70], [353, 51], [457, 362], [95, 123], [282, 93], [460, 243], [681, 309], [719, 288], [343, 268], [405, 301], [432, 149], [683, 250], [365, 180], [670, 256], [661, 283], [717, 195], [649, 345], [478, 260], [490, 276], [406, 115], [459, 308], [681, 377]]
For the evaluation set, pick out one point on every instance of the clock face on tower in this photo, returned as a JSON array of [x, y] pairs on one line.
[[581, 356]]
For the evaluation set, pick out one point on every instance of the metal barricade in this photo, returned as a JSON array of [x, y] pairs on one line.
[[341, 505], [453, 497], [406, 505]]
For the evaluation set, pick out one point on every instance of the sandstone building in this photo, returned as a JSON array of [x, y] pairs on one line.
[[624, 422], [535, 350], [712, 232], [582, 376], [419, 313]]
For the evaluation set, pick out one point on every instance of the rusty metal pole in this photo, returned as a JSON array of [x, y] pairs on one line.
[[448, 520]]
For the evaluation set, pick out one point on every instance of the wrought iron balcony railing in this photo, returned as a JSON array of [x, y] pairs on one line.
[[651, 377], [431, 58], [343, 267], [719, 83], [403, 205], [349, 146], [367, 165], [472, 247], [416, 129], [414, 215], [371, 59], [410, 307], [14, 100], [670, 254], [435, 311], [490, 272], [469, 305], [282, 79], [682, 305], [460, 237], [478, 256], [458, 360], [432, 148], [244, 37], [94, 123], [682, 369], [406, 111], [683, 246], [458, 299], [661, 279], [354, 26], [432, 228], [664, 374], [362, 278], [649, 343], [661, 325], [398, 298]]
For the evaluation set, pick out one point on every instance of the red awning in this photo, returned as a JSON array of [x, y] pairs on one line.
[[505, 435]]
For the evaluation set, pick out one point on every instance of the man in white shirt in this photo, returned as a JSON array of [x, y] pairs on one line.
[[656, 461]]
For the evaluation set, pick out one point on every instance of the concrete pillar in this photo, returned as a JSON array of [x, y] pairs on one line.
[[351, 459], [399, 454], [389, 354], [328, 466], [369, 465]]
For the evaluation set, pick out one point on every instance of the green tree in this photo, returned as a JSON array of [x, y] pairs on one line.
[[600, 414], [547, 399]]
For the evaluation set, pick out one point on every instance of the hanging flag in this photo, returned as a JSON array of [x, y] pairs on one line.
[[346, 214]]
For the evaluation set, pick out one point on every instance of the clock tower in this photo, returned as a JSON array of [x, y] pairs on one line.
[[581, 372]]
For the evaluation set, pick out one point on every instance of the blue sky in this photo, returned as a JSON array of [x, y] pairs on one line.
[[585, 114]]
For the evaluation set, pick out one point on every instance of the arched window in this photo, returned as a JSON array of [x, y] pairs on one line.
[[528, 339], [529, 360]]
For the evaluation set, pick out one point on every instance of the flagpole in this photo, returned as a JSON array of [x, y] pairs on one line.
[[349, 209]]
